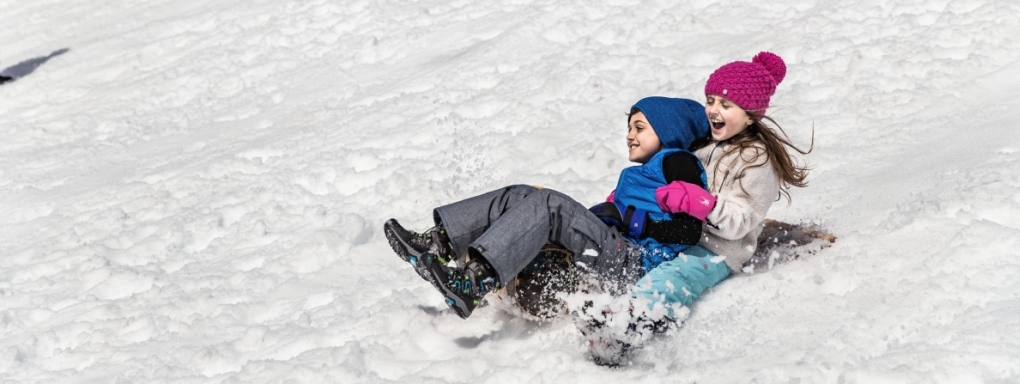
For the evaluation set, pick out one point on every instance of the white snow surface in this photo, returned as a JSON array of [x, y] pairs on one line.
[[193, 191]]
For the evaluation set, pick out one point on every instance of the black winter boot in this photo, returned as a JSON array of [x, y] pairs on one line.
[[613, 330], [601, 335], [415, 248], [465, 287]]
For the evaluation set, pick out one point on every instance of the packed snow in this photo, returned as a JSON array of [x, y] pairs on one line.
[[194, 190]]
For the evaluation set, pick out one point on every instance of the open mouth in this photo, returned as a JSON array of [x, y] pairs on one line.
[[717, 124]]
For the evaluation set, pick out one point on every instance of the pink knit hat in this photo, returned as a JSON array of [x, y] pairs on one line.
[[749, 85]]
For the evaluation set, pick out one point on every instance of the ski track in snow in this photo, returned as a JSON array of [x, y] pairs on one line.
[[194, 190]]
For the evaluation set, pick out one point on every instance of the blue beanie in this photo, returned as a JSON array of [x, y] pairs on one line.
[[677, 122]]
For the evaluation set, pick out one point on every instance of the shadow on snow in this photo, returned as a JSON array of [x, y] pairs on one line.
[[26, 67]]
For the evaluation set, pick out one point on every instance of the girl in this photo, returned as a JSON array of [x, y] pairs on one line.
[[748, 167], [494, 236]]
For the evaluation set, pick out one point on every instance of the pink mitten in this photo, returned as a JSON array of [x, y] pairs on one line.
[[680, 196], [611, 197]]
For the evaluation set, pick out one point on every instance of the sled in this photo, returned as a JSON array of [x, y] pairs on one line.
[[532, 294], [780, 242]]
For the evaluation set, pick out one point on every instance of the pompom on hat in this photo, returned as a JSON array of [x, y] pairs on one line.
[[677, 122], [749, 85]]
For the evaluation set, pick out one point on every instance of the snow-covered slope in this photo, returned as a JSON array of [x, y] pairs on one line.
[[193, 191]]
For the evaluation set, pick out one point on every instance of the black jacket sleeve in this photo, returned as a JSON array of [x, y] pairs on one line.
[[682, 166], [683, 228]]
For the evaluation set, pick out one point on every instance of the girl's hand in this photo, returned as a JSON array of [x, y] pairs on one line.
[[680, 196]]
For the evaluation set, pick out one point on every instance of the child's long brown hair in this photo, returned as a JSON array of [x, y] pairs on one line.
[[790, 172]]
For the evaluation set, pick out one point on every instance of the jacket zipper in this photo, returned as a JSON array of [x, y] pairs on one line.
[[707, 164], [711, 154], [727, 174]]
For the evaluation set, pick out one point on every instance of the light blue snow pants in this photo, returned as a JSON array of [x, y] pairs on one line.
[[681, 280]]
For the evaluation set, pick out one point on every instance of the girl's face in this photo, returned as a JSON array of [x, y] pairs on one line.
[[642, 141], [726, 118]]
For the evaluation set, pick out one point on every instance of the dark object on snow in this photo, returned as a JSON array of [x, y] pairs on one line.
[[552, 271], [464, 287], [414, 247], [26, 67], [780, 232], [535, 288], [780, 242]]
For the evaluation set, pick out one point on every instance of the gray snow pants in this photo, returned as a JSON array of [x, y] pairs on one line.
[[509, 226]]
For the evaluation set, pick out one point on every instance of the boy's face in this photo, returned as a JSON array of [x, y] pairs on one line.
[[725, 117], [642, 142]]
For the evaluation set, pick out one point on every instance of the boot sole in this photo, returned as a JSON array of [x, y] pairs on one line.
[[452, 299], [406, 252], [399, 246], [421, 267]]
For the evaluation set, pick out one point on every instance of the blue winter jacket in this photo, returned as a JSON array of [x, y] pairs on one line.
[[636, 187]]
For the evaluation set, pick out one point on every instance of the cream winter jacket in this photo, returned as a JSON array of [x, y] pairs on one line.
[[734, 224]]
